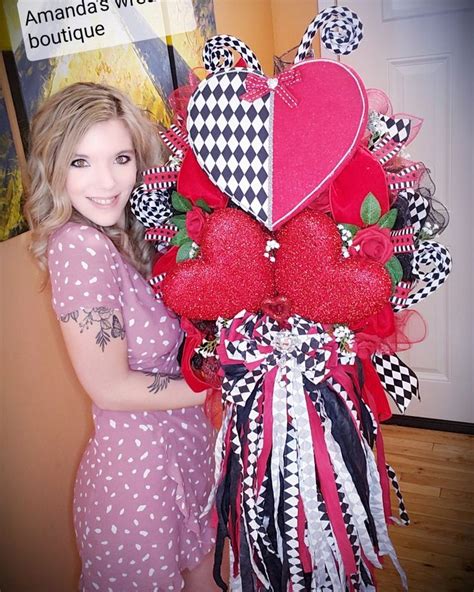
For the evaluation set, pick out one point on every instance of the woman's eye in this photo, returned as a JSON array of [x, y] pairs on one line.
[[79, 163], [123, 159]]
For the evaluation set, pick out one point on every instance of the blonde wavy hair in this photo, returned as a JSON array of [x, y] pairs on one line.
[[57, 128]]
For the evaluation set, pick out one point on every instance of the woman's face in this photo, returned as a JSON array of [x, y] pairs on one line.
[[102, 173]]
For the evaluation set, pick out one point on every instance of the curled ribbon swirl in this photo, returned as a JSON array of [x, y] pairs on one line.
[[431, 266], [341, 32]]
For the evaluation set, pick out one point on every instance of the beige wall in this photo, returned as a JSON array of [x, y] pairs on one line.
[[44, 426], [269, 27], [44, 422]]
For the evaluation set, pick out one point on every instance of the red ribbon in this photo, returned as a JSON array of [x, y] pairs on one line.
[[259, 86]]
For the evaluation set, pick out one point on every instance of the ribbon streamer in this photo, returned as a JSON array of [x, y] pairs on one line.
[[176, 139], [162, 177], [297, 485]]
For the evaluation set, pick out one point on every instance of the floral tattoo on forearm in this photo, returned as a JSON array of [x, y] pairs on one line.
[[111, 328], [108, 322]]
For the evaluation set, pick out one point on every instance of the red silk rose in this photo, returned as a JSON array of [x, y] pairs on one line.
[[374, 243], [195, 222]]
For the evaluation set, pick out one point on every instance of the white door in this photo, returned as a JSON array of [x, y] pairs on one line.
[[420, 52]]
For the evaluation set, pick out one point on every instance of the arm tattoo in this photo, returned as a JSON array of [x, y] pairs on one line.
[[160, 382], [108, 322]]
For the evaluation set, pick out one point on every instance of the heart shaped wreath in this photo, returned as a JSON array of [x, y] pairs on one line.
[[292, 297]]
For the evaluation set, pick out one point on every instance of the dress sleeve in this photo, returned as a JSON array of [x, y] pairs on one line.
[[83, 266]]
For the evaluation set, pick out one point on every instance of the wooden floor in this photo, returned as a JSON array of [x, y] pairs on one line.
[[436, 475]]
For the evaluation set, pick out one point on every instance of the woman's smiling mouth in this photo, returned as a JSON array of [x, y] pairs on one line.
[[104, 201]]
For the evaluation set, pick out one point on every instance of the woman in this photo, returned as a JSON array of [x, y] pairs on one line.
[[146, 473]]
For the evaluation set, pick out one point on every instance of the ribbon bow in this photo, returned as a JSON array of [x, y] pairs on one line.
[[264, 349], [258, 86]]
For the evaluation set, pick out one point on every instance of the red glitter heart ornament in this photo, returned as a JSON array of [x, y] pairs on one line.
[[320, 283], [230, 275]]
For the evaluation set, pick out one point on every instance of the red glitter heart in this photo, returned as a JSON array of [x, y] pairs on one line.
[[321, 284], [231, 273]]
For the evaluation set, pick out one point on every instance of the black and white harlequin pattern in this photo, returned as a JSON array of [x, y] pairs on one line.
[[400, 382], [291, 494], [341, 32], [238, 391], [417, 207], [396, 487], [231, 140], [150, 206], [398, 130], [216, 55]]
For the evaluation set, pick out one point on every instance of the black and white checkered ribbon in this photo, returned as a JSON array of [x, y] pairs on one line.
[[398, 380], [418, 208], [398, 129], [150, 206], [341, 32], [262, 347], [431, 266], [402, 510], [217, 54]]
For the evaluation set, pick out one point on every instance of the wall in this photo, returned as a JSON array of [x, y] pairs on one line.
[[44, 426], [44, 421]]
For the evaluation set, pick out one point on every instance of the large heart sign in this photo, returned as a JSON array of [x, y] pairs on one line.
[[273, 144]]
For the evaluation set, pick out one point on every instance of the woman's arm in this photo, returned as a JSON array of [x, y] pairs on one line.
[[102, 368]]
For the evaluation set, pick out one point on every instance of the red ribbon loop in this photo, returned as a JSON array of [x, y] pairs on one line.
[[259, 86]]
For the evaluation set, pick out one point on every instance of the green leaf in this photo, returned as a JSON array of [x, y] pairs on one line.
[[180, 237], [352, 228], [370, 209], [184, 251], [179, 220], [203, 205], [388, 220], [394, 268], [180, 203]]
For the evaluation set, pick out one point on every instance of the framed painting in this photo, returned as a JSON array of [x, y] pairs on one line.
[[147, 70]]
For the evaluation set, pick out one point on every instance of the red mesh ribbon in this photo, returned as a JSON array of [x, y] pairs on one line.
[[259, 86]]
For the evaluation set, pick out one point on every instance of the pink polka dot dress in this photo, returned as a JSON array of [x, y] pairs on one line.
[[144, 477]]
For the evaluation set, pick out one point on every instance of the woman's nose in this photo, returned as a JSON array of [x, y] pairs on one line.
[[106, 180]]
